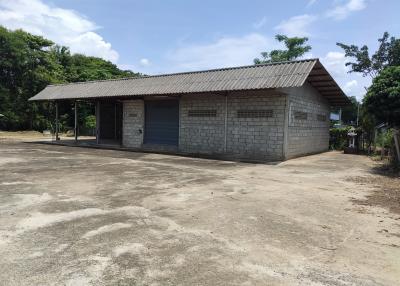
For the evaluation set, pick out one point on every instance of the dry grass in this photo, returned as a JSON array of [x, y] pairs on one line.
[[16, 134], [22, 136], [386, 193]]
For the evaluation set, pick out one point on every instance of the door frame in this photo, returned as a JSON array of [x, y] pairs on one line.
[[118, 109]]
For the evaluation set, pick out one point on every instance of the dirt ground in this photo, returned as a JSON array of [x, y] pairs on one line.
[[386, 192], [77, 216], [22, 135], [35, 136]]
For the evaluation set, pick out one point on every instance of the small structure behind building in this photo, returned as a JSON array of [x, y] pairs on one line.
[[352, 139]]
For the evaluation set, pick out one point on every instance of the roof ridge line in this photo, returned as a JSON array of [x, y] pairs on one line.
[[188, 72]]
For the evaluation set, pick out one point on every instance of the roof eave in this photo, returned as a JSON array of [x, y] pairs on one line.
[[331, 90]]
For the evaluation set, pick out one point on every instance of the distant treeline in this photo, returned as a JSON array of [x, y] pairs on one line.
[[27, 64]]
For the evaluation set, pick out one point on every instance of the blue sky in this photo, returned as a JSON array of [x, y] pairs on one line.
[[170, 36]]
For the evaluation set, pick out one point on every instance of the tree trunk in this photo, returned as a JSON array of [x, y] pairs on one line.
[[396, 143]]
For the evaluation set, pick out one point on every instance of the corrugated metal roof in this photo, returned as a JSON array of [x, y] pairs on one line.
[[267, 76]]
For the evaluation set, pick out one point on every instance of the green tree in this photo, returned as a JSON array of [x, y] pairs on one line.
[[27, 64], [383, 103], [25, 68], [295, 48], [388, 54], [383, 97], [79, 67], [379, 105], [367, 122]]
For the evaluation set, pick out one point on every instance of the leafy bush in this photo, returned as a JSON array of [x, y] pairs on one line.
[[90, 122], [385, 139], [41, 123], [338, 137]]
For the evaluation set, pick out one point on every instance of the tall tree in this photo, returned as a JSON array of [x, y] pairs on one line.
[[383, 96], [79, 67], [388, 54], [25, 69], [295, 48], [383, 101], [28, 63]]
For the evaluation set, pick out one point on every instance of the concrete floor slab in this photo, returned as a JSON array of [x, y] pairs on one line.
[[76, 216]]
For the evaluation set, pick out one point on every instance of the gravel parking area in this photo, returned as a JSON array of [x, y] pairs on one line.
[[78, 216]]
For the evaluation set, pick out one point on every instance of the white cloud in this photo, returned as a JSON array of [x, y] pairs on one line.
[[224, 52], [353, 84], [296, 26], [354, 87], [144, 62], [341, 12], [335, 63], [123, 66], [93, 44], [350, 86], [63, 26], [261, 23]]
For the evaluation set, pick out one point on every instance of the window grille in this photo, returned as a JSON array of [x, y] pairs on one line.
[[202, 113], [299, 115], [261, 113]]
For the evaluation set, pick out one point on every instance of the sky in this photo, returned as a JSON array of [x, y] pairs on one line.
[[160, 36]]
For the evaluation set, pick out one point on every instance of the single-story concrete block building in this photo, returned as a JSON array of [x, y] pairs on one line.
[[263, 112]]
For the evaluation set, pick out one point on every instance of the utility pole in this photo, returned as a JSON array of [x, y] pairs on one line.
[[76, 122], [358, 112], [57, 123]]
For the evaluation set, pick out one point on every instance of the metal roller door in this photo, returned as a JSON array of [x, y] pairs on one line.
[[161, 122]]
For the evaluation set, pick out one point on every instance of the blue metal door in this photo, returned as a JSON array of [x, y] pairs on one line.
[[161, 122]]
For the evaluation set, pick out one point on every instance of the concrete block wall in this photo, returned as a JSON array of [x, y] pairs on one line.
[[132, 123], [202, 134], [311, 135], [259, 138]]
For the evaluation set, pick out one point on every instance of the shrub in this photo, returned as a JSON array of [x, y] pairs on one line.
[[90, 122], [385, 139], [338, 137]]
